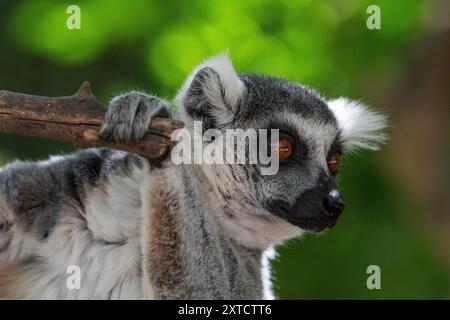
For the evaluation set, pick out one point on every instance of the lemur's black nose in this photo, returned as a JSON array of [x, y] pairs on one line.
[[334, 203]]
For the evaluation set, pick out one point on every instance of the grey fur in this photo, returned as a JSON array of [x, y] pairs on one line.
[[177, 232], [205, 264], [129, 115]]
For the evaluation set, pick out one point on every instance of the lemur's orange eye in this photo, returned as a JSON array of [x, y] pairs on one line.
[[285, 148], [334, 162]]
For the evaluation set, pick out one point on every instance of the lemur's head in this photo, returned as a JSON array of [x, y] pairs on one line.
[[313, 136]]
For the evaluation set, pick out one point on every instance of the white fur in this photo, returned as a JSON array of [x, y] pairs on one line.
[[318, 135], [20, 242], [361, 128], [111, 213], [252, 226], [104, 243], [233, 87], [267, 256], [51, 160], [108, 270]]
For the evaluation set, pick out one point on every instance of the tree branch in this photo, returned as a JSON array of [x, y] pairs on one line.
[[76, 120]]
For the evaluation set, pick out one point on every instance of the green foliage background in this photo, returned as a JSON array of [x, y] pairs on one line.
[[153, 45]]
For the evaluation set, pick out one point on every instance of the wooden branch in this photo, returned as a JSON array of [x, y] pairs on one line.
[[76, 120]]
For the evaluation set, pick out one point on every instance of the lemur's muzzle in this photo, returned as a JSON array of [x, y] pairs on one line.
[[315, 209]]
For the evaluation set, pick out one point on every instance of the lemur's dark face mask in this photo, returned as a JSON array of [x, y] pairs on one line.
[[315, 207]]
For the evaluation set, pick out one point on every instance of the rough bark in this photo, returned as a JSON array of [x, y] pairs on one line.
[[77, 120]]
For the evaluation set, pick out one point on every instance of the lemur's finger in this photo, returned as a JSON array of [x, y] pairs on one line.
[[129, 115], [148, 108], [164, 110], [119, 118]]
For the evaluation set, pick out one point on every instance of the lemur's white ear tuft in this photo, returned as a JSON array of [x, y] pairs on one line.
[[361, 128], [212, 90]]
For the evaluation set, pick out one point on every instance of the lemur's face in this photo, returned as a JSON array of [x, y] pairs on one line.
[[313, 135], [303, 191]]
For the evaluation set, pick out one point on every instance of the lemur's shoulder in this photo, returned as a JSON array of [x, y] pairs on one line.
[[31, 186], [36, 196]]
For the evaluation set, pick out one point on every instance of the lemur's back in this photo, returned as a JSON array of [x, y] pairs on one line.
[[82, 210]]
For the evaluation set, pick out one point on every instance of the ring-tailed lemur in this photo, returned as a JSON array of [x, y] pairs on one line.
[[137, 230]]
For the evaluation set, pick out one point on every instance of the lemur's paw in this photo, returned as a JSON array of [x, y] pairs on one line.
[[129, 115]]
